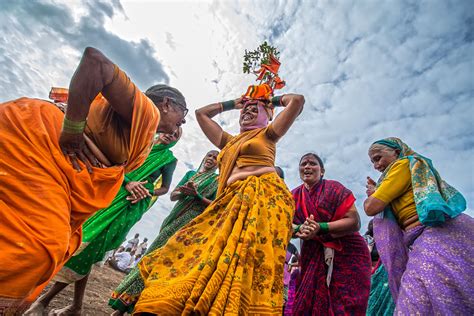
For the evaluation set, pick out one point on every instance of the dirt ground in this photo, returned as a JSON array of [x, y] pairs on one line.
[[102, 282]]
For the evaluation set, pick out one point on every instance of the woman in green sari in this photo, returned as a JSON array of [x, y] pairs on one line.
[[108, 228], [193, 193]]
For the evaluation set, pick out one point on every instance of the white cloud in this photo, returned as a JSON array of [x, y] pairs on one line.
[[368, 70]]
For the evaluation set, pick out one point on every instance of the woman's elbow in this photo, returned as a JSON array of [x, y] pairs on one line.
[[356, 226], [93, 54], [370, 208], [299, 102], [163, 190], [299, 98], [98, 62]]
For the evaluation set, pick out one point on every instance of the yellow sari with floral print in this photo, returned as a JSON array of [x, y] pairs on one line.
[[227, 261]]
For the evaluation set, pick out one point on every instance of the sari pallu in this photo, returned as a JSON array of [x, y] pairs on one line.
[[44, 200], [228, 260], [349, 280], [427, 264], [186, 209], [108, 228]]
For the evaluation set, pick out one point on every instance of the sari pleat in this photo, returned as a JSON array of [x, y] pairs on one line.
[[186, 209], [227, 261]]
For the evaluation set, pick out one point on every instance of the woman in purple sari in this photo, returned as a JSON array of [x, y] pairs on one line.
[[335, 260], [424, 241]]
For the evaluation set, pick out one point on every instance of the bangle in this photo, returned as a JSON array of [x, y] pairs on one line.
[[228, 105], [73, 127], [297, 229], [199, 196], [324, 227], [276, 100], [126, 179]]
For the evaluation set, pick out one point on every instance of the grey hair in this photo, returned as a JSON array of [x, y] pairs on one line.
[[381, 148], [158, 92]]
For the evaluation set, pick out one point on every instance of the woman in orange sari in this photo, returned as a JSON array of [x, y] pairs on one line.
[[57, 169], [230, 259]]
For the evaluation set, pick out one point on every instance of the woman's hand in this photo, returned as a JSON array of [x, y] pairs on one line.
[[309, 229], [74, 147], [189, 189], [371, 184], [134, 200], [137, 191], [239, 103]]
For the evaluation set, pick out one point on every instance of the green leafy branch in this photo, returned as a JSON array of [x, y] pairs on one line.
[[254, 59]]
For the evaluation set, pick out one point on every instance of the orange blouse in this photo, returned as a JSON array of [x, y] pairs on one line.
[[258, 151]]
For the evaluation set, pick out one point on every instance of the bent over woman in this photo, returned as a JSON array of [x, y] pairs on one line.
[[58, 169], [108, 228], [424, 241], [230, 259]]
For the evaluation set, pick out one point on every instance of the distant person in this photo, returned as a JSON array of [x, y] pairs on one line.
[[62, 168], [132, 243], [291, 253], [138, 257], [369, 238], [122, 261], [294, 272], [141, 248]]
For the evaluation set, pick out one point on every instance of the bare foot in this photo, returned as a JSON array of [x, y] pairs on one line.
[[70, 310], [117, 313], [36, 309]]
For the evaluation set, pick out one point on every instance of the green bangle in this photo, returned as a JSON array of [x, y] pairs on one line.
[[228, 105], [73, 127], [297, 229], [126, 179], [324, 227], [276, 100], [199, 196]]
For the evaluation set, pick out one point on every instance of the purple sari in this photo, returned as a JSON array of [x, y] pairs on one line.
[[430, 268]]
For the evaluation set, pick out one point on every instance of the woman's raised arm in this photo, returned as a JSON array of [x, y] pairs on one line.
[[95, 71], [211, 129], [293, 104]]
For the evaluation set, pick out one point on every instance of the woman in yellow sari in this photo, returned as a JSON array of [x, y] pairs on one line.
[[230, 259], [57, 169]]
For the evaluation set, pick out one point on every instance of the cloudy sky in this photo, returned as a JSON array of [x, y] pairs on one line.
[[368, 70]]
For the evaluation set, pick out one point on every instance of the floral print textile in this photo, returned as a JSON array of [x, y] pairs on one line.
[[229, 260]]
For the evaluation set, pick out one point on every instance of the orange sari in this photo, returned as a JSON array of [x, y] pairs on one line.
[[43, 200]]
